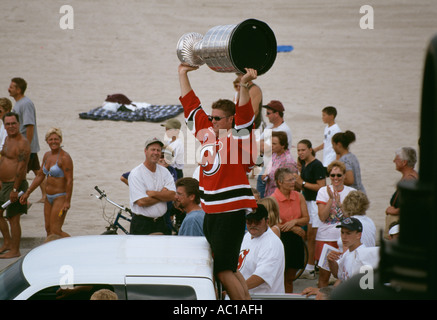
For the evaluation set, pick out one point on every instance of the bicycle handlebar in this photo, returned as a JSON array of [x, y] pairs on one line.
[[103, 195], [99, 191]]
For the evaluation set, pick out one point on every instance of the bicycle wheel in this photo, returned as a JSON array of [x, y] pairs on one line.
[[300, 271]]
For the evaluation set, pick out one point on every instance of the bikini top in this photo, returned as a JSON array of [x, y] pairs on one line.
[[54, 171]]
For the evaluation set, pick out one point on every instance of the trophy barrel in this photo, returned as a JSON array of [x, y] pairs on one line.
[[231, 48], [215, 49]]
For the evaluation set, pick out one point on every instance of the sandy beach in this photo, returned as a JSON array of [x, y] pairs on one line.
[[372, 76]]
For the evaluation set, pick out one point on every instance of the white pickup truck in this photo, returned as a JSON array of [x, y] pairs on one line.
[[134, 267]]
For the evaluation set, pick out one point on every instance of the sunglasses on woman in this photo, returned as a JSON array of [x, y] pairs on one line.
[[338, 175]]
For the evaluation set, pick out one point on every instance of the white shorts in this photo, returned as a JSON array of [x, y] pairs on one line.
[[313, 211]]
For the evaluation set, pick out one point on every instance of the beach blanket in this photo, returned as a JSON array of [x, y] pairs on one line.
[[118, 107]]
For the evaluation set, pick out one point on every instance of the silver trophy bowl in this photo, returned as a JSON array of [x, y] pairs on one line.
[[230, 48]]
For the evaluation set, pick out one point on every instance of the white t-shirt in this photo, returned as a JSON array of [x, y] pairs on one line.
[[3, 135], [141, 180], [282, 127], [328, 152], [263, 256], [178, 149], [327, 230], [350, 263], [368, 236]]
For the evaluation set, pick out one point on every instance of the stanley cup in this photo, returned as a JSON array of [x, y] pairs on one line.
[[230, 48]]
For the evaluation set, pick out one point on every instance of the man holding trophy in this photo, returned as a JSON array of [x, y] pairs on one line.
[[227, 157]]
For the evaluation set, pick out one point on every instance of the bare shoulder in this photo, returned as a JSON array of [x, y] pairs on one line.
[[24, 143], [255, 89], [22, 149], [66, 159], [66, 155]]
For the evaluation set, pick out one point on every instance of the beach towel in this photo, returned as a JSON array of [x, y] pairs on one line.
[[118, 107]]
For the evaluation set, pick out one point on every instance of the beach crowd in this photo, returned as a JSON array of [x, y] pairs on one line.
[[305, 217]]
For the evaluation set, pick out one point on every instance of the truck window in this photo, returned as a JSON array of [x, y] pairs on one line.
[[160, 292], [79, 292], [12, 281]]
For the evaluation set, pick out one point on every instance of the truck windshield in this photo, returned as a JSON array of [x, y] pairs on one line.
[[12, 280]]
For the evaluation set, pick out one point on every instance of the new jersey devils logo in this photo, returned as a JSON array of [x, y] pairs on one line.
[[242, 258], [211, 159]]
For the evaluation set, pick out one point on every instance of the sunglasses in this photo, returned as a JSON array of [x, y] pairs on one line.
[[210, 118], [338, 175]]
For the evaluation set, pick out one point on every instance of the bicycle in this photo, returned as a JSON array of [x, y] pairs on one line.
[[114, 224], [300, 271]]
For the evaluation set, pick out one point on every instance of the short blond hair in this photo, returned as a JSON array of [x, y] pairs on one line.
[[56, 131], [355, 203], [6, 104], [338, 164]]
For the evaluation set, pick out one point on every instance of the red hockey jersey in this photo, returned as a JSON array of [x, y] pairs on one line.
[[225, 162]]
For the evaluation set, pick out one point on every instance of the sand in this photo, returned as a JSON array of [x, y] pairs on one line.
[[372, 76]]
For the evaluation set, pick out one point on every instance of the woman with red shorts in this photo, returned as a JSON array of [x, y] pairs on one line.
[[329, 199]]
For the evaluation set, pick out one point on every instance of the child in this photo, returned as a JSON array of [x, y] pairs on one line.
[[328, 116]]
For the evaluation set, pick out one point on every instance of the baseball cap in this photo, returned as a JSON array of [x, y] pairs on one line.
[[153, 140], [275, 105], [352, 224], [172, 124], [258, 214]]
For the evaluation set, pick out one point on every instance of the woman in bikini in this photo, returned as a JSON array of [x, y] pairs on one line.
[[57, 167]]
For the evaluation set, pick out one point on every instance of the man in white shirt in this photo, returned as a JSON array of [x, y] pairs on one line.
[[262, 260], [346, 265], [172, 131], [150, 187], [349, 263], [275, 114]]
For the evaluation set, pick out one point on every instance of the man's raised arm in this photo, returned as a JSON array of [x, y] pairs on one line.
[[184, 82], [251, 74]]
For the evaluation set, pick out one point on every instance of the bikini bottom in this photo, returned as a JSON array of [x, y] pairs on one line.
[[52, 197]]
